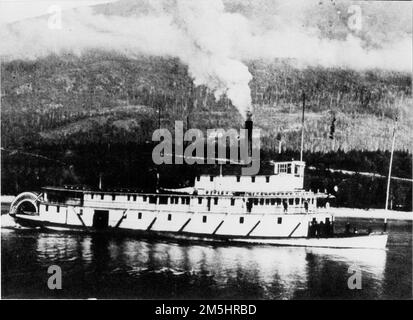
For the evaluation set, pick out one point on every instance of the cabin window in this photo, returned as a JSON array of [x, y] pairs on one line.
[[252, 179], [211, 178], [134, 197], [255, 201], [47, 207], [215, 201], [273, 202], [145, 198], [128, 197], [297, 201], [204, 219], [291, 201], [139, 215], [91, 196], [80, 212], [267, 201], [241, 220], [101, 196], [267, 179], [57, 209], [279, 220], [232, 202], [152, 199], [169, 217], [238, 178], [113, 197], [199, 200], [278, 201], [289, 168], [163, 200], [262, 201]]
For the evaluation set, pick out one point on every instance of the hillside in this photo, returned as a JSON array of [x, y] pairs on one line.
[[107, 97]]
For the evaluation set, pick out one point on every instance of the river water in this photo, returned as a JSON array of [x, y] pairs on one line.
[[97, 266]]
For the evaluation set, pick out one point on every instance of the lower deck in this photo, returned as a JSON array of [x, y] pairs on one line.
[[203, 223]]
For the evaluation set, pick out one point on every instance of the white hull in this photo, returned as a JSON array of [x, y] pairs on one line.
[[372, 241]]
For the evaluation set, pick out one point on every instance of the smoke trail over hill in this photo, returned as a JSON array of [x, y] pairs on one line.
[[215, 37]]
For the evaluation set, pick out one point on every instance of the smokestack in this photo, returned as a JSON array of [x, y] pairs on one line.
[[248, 127]]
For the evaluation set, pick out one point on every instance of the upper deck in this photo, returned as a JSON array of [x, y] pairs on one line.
[[288, 176]]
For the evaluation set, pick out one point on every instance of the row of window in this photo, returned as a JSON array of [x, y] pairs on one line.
[[211, 179], [204, 218], [186, 200]]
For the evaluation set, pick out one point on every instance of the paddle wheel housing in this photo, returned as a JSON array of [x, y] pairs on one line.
[[25, 203]]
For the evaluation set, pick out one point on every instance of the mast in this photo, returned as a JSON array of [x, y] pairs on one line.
[[390, 165], [389, 177], [302, 130]]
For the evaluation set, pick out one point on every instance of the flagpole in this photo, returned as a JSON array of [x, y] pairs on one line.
[[302, 130]]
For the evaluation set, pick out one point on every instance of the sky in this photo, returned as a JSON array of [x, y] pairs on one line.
[[215, 38], [16, 10]]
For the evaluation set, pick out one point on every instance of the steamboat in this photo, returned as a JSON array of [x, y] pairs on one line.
[[261, 209], [272, 209]]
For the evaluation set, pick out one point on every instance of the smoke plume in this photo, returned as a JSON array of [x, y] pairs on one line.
[[215, 38]]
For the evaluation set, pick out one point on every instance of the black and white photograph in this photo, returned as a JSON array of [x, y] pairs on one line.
[[207, 150]]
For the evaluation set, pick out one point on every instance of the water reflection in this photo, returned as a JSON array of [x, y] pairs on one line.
[[136, 268]]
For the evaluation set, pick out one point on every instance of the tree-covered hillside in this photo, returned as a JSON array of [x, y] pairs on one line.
[[59, 98]]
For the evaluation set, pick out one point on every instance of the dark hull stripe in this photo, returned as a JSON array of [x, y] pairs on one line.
[[296, 227], [151, 225], [121, 219], [219, 226], [253, 228], [81, 220], [185, 224]]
